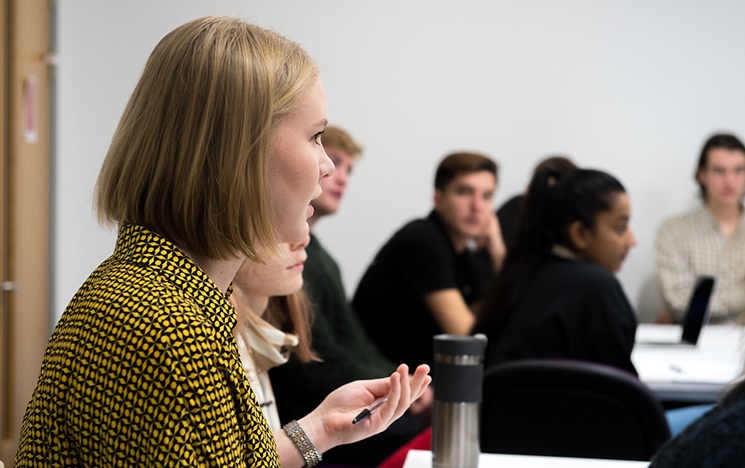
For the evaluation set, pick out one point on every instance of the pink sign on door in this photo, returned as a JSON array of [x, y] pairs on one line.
[[30, 110]]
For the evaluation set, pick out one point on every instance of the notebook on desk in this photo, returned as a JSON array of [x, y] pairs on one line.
[[697, 315]]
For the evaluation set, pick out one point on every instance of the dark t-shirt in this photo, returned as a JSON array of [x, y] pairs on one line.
[[570, 310], [417, 260]]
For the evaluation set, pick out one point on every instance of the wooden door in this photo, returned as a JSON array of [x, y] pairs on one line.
[[25, 208]]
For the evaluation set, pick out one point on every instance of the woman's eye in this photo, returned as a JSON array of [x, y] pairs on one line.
[[317, 137]]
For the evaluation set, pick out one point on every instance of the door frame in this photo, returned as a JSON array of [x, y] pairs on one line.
[[26, 209]]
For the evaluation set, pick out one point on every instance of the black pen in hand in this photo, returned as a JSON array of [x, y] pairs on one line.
[[365, 413]]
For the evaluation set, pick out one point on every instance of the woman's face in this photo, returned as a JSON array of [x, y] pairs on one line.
[[609, 242], [297, 163], [278, 276]]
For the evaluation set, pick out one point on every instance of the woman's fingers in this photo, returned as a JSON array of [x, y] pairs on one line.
[[378, 387], [420, 381], [405, 399], [403, 389], [387, 410], [411, 388]]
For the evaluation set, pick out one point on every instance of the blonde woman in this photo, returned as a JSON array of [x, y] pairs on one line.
[[217, 155]]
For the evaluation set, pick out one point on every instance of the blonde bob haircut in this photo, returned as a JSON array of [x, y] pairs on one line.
[[189, 157]]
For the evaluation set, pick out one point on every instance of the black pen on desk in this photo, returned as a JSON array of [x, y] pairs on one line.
[[365, 413]]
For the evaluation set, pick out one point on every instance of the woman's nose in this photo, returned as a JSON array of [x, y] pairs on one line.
[[325, 166], [300, 245]]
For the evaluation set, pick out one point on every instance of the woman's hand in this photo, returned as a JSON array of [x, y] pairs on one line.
[[330, 424]]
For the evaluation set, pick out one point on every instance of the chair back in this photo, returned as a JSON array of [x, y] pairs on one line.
[[569, 409]]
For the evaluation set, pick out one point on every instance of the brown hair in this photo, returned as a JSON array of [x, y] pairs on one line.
[[720, 140], [189, 157], [335, 137], [291, 314], [462, 163]]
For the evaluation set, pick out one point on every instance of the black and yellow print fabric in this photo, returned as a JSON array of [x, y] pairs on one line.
[[142, 370]]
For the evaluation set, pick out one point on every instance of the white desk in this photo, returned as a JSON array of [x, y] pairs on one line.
[[692, 374], [423, 459]]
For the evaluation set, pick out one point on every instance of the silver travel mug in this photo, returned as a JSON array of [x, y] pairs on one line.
[[457, 379]]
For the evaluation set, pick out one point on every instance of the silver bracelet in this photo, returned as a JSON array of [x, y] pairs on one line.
[[303, 442]]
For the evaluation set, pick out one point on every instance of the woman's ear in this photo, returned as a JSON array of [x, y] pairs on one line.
[[579, 235]]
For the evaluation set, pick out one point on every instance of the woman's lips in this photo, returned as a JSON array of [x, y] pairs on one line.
[[297, 266]]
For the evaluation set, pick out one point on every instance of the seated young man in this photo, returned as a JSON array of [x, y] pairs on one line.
[[710, 239], [425, 280]]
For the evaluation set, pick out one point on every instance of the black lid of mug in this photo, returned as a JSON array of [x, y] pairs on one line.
[[457, 345]]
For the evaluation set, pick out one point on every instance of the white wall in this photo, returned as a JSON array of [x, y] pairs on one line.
[[630, 87]]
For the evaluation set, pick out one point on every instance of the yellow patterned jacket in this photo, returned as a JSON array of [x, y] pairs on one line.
[[143, 370]]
